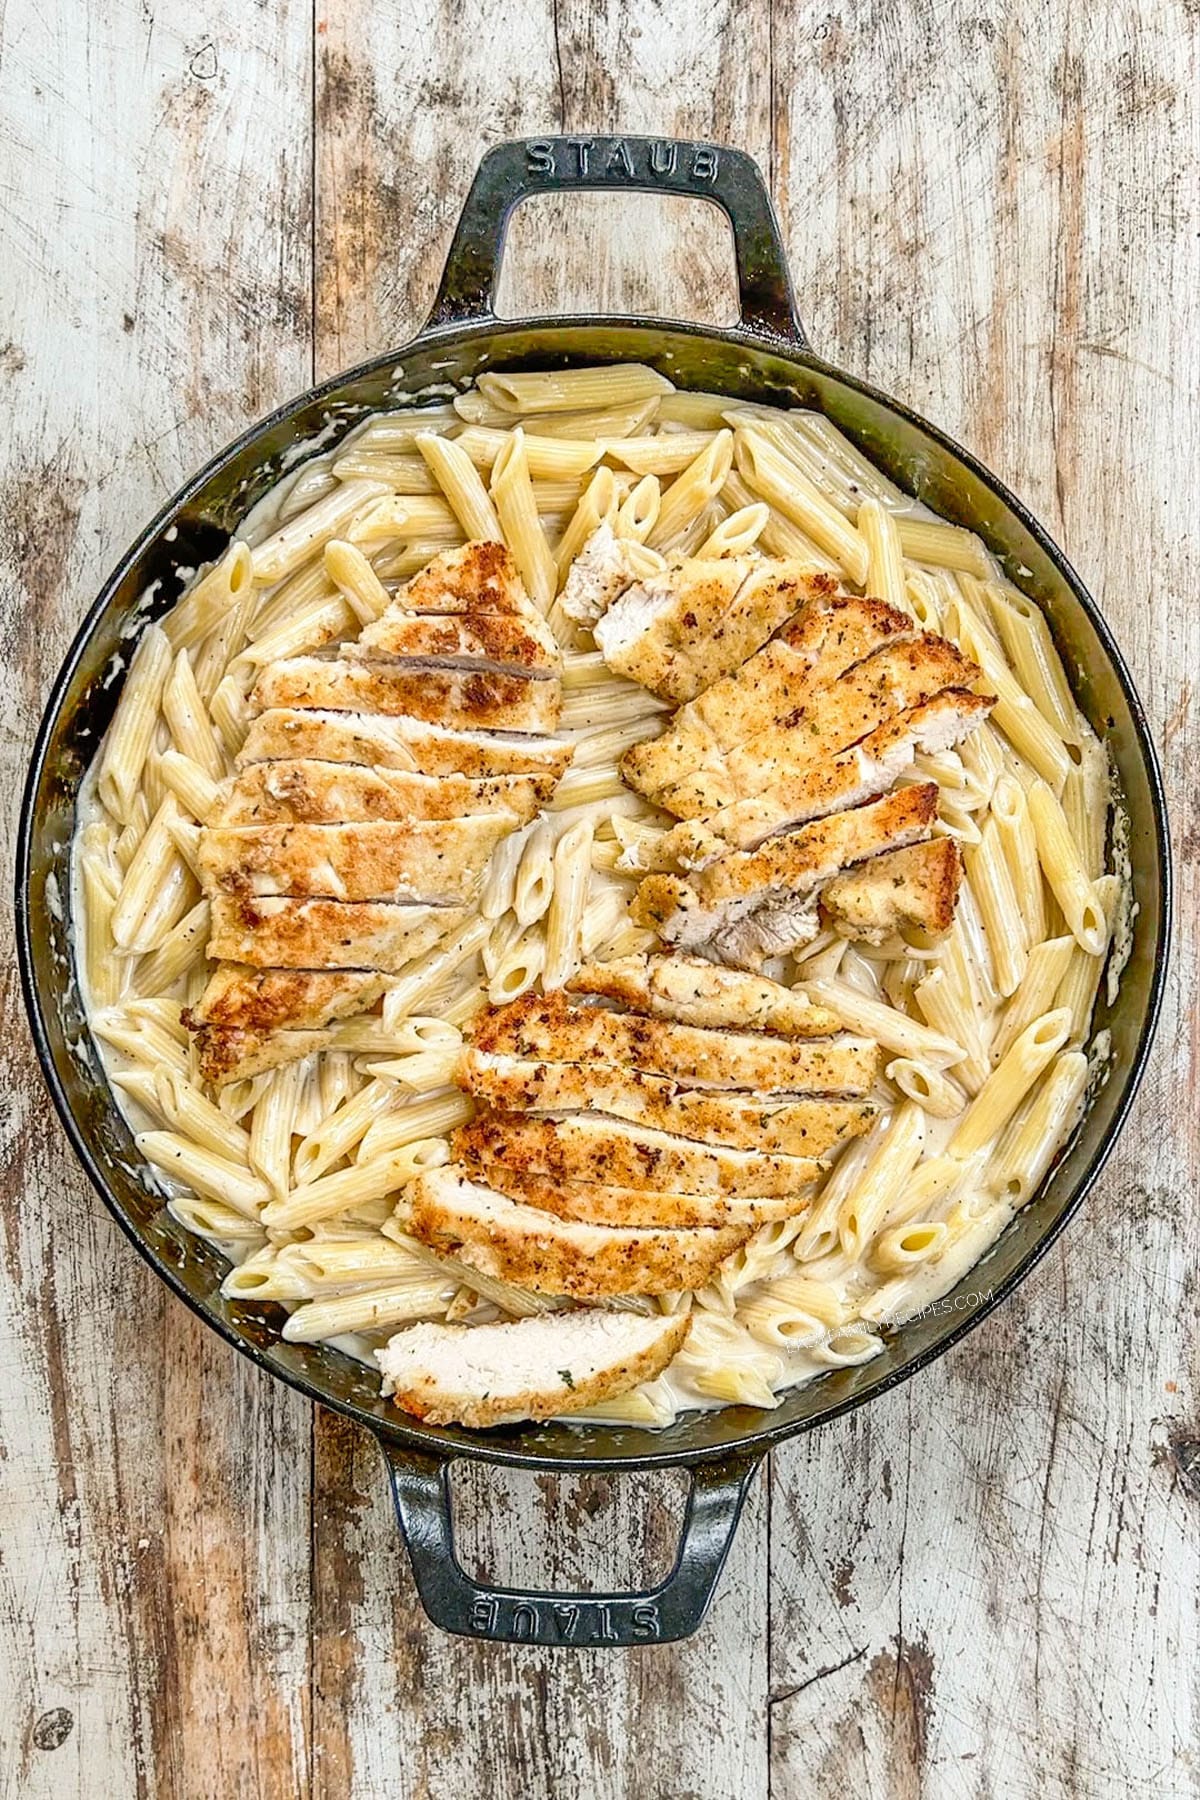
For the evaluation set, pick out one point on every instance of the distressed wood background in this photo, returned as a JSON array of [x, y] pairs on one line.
[[987, 1583]]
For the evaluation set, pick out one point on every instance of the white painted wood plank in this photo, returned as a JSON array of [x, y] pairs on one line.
[[988, 1583], [154, 1493]]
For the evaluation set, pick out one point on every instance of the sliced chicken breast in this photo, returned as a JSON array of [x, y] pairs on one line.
[[604, 568], [743, 1121], [419, 746], [304, 792], [915, 887], [448, 1211], [827, 637], [547, 1027], [694, 992], [241, 998], [593, 1147], [457, 697], [891, 681], [228, 1053], [481, 1375], [275, 932], [479, 577], [591, 1203], [849, 779], [681, 631], [510, 642], [435, 860], [786, 873]]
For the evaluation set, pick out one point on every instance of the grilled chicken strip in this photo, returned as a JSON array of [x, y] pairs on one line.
[[849, 779], [483, 1375], [276, 932], [775, 888], [827, 637], [510, 642], [304, 792], [604, 568], [681, 631], [240, 998], [592, 1147], [916, 887], [479, 577], [694, 992], [228, 1053], [751, 1121], [594, 1203], [547, 1027], [457, 697], [894, 679], [532, 1249], [419, 746], [431, 860]]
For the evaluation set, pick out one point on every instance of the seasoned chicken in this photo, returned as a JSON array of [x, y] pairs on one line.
[[827, 637], [694, 992], [681, 631], [458, 697], [595, 1203], [773, 891], [246, 999], [479, 577], [275, 932], [849, 779], [548, 1027], [229, 1053], [514, 643], [743, 1121], [891, 681], [604, 568], [304, 792], [435, 860], [529, 1248], [592, 1147], [914, 887], [420, 746], [485, 1375]]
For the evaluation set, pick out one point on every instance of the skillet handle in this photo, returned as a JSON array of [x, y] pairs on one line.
[[660, 1615], [516, 170]]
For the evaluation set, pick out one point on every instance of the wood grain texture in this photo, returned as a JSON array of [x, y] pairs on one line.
[[985, 1585]]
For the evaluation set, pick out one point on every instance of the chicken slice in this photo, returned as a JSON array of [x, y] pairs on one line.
[[304, 792], [889, 682], [547, 1027], [694, 992], [529, 1248], [681, 631], [456, 697], [827, 637], [849, 779], [241, 998], [479, 577], [229, 1053], [275, 932], [604, 568], [594, 1203], [914, 887], [510, 642], [592, 1147], [780, 881], [438, 861], [744, 1121], [481, 1375], [419, 746]]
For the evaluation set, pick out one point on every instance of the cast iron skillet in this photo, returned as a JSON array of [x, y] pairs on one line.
[[765, 356]]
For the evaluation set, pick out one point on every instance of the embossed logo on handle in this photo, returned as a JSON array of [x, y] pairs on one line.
[[617, 159], [560, 1622]]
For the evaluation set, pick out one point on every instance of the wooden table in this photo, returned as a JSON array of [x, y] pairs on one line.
[[987, 1583]]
